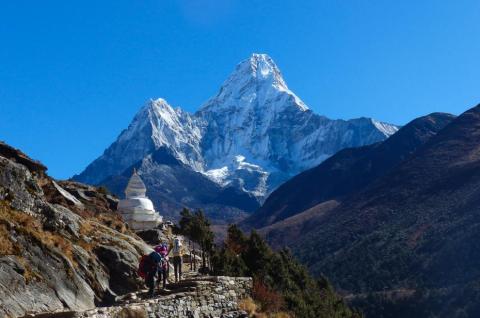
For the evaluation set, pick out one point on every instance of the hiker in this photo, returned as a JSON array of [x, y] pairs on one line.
[[177, 258], [148, 269], [162, 249]]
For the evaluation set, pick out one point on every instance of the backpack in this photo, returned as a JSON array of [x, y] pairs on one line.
[[145, 265], [164, 263], [177, 247], [142, 266], [162, 249]]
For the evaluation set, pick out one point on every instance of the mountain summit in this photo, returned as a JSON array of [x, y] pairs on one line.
[[250, 137], [254, 82]]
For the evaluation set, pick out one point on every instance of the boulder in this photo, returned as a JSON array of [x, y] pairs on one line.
[[152, 237], [122, 265]]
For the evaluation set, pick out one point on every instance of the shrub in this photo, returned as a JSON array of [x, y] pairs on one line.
[[270, 301], [103, 190], [248, 305], [280, 315], [281, 284]]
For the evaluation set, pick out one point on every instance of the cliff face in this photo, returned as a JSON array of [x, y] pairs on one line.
[[62, 247]]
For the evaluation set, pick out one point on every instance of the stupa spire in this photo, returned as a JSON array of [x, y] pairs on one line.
[[135, 188]]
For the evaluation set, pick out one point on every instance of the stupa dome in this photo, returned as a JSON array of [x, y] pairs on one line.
[[137, 210]]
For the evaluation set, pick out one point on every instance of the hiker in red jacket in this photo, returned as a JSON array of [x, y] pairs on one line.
[[148, 269]]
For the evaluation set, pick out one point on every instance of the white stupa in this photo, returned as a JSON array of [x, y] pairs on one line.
[[137, 210]]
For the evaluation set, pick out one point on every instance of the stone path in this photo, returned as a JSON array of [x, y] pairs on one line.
[[195, 297]]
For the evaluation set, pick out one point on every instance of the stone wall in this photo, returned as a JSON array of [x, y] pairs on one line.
[[209, 297]]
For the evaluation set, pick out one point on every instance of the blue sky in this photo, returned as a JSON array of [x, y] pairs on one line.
[[73, 73]]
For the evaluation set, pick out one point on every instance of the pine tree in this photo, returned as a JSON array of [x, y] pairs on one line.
[[196, 227], [280, 282]]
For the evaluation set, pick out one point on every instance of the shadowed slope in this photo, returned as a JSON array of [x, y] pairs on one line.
[[417, 226], [347, 171]]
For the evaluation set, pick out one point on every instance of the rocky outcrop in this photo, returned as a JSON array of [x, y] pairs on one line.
[[17, 156], [153, 237], [62, 247]]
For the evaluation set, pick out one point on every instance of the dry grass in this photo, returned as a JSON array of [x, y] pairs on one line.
[[30, 227], [9, 220], [270, 315], [29, 274], [112, 221], [248, 305], [131, 313], [252, 309], [6, 245], [280, 315], [50, 239], [97, 232], [268, 299], [87, 229]]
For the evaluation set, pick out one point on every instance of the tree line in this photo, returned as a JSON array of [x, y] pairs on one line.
[[280, 283]]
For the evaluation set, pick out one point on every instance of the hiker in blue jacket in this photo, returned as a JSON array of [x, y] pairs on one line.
[[152, 269]]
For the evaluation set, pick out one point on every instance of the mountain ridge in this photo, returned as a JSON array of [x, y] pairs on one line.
[[252, 135], [347, 171], [414, 228]]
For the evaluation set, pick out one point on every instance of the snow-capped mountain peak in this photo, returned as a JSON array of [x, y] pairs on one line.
[[176, 130], [263, 68], [256, 82], [386, 129], [162, 115], [254, 134]]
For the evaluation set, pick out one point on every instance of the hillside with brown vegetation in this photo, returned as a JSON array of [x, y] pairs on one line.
[[61, 244]]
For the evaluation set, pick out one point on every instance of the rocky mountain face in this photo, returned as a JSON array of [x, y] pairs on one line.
[[408, 240], [248, 139], [172, 186], [346, 172], [62, 246]]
